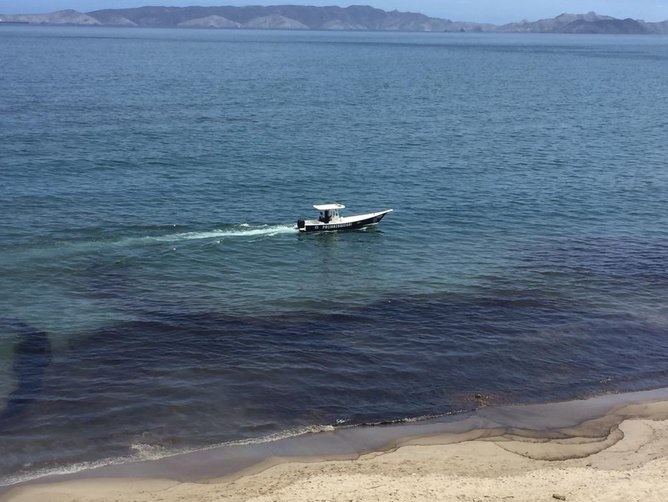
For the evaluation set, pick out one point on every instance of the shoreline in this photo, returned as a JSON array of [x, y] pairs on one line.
[[491, 450]]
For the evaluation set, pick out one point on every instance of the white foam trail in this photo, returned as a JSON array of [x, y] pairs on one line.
[[245, 230], [242, 230]]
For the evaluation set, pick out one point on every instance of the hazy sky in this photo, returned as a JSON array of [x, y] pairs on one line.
[[492, 11]]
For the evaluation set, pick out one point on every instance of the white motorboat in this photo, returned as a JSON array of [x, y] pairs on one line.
[[330, 219]]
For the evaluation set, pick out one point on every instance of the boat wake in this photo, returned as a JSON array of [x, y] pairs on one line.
[[236, 231], [58, 249]]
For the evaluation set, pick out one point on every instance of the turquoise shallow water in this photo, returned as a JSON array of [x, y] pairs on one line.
[[155, 294]]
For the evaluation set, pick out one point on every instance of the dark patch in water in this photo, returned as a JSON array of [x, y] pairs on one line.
[[32, 356], [176, 380]]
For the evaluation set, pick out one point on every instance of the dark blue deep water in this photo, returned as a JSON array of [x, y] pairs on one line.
[[155, 296]]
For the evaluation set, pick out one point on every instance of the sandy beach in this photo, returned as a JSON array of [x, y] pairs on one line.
[[628, 463]]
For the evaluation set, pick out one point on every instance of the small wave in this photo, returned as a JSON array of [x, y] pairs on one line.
[[143, 452], [153, 452], [140, 452], [62, 471], [286, 434]]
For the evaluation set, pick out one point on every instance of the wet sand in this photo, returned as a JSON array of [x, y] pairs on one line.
[[621, 455]]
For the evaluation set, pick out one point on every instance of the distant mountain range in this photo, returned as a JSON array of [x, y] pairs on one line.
[[356, 17]]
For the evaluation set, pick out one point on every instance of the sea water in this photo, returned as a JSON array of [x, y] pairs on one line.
[[156, 297]]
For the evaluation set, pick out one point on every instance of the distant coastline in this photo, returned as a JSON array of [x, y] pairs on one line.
[[353, 18]]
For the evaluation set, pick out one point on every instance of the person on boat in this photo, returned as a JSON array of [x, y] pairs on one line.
[[324, 216]]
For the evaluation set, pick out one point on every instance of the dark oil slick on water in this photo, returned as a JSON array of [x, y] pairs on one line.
[[156, 296]]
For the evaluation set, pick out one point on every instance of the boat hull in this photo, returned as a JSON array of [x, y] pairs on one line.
[[318, 226]]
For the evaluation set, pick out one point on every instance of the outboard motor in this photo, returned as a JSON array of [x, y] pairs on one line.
[[301, 224]]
